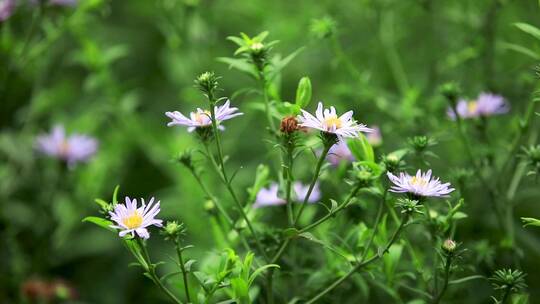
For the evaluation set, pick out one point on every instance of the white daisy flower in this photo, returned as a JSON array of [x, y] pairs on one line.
[[202, 118], [130, 219], [328, 121], [422, 184]]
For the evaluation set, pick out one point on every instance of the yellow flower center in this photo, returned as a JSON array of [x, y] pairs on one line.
[[332, 121], [133, 221], [472, 106], [418, 181], [201, 116]]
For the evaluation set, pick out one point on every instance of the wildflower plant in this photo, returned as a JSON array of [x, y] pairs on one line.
[[396, 189]]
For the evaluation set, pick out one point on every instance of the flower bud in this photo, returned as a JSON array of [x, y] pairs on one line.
[[449, 246], [257, 47], [289, 125], [173, 229], [209, 206], [451, 91], [303, 92], [207, 82]]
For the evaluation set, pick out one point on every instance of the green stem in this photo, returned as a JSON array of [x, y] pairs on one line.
[[226, 180], [267, 109], [375, 226], [374, 258], [447, 265], [334, 212], [286, 242], [288, 169], [183, 269], [492, 192], [151, 271], [314, 179]]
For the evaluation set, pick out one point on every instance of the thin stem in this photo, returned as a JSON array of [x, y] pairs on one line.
[[313, 181], [334, 212], [267, 109], [375, 257], [447, 265], [375, 226], [226, 180], [286, 242], [492, 192], [183, 269], [151, 271], [222, 210], [288, 169]]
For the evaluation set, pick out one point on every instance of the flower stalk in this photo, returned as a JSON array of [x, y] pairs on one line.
[[360, 265]]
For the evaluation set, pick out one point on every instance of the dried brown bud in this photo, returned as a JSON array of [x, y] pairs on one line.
[[289, 124]]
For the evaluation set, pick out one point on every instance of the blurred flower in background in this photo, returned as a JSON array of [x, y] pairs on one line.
[[71, 149], [340, 152], [6, 9], [375, 138], [130, 219], [269, 196], [201, 118], [486, 104]]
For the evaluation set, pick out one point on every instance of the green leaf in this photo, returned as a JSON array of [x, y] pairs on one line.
[[288, 109], [103, 204], [101, 222], [280, 64], [521, 49], [303, 92], [529, 29], [529, 221], [260, 270], [261, 178], [361, 149], [239, 64], [115, 195], [311, 237]]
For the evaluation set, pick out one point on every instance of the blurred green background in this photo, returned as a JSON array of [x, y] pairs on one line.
[[111, 69]]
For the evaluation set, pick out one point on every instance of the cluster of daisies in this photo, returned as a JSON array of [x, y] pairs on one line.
[[131, 219]]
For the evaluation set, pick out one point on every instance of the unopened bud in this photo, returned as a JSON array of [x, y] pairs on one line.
[[449, 246]]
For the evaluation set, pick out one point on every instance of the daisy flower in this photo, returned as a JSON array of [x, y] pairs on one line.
[[130, 219], [329, 122], [269, 196], [202, 118], [71, 149], [486, 104], [422, 184], [339, 152]]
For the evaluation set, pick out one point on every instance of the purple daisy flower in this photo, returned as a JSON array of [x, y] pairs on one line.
[[130, 219], [328, 121], [422, 184], [340, 152], [202, 118], [73, 149], [6, 9], [486, 104], [269, 196]]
